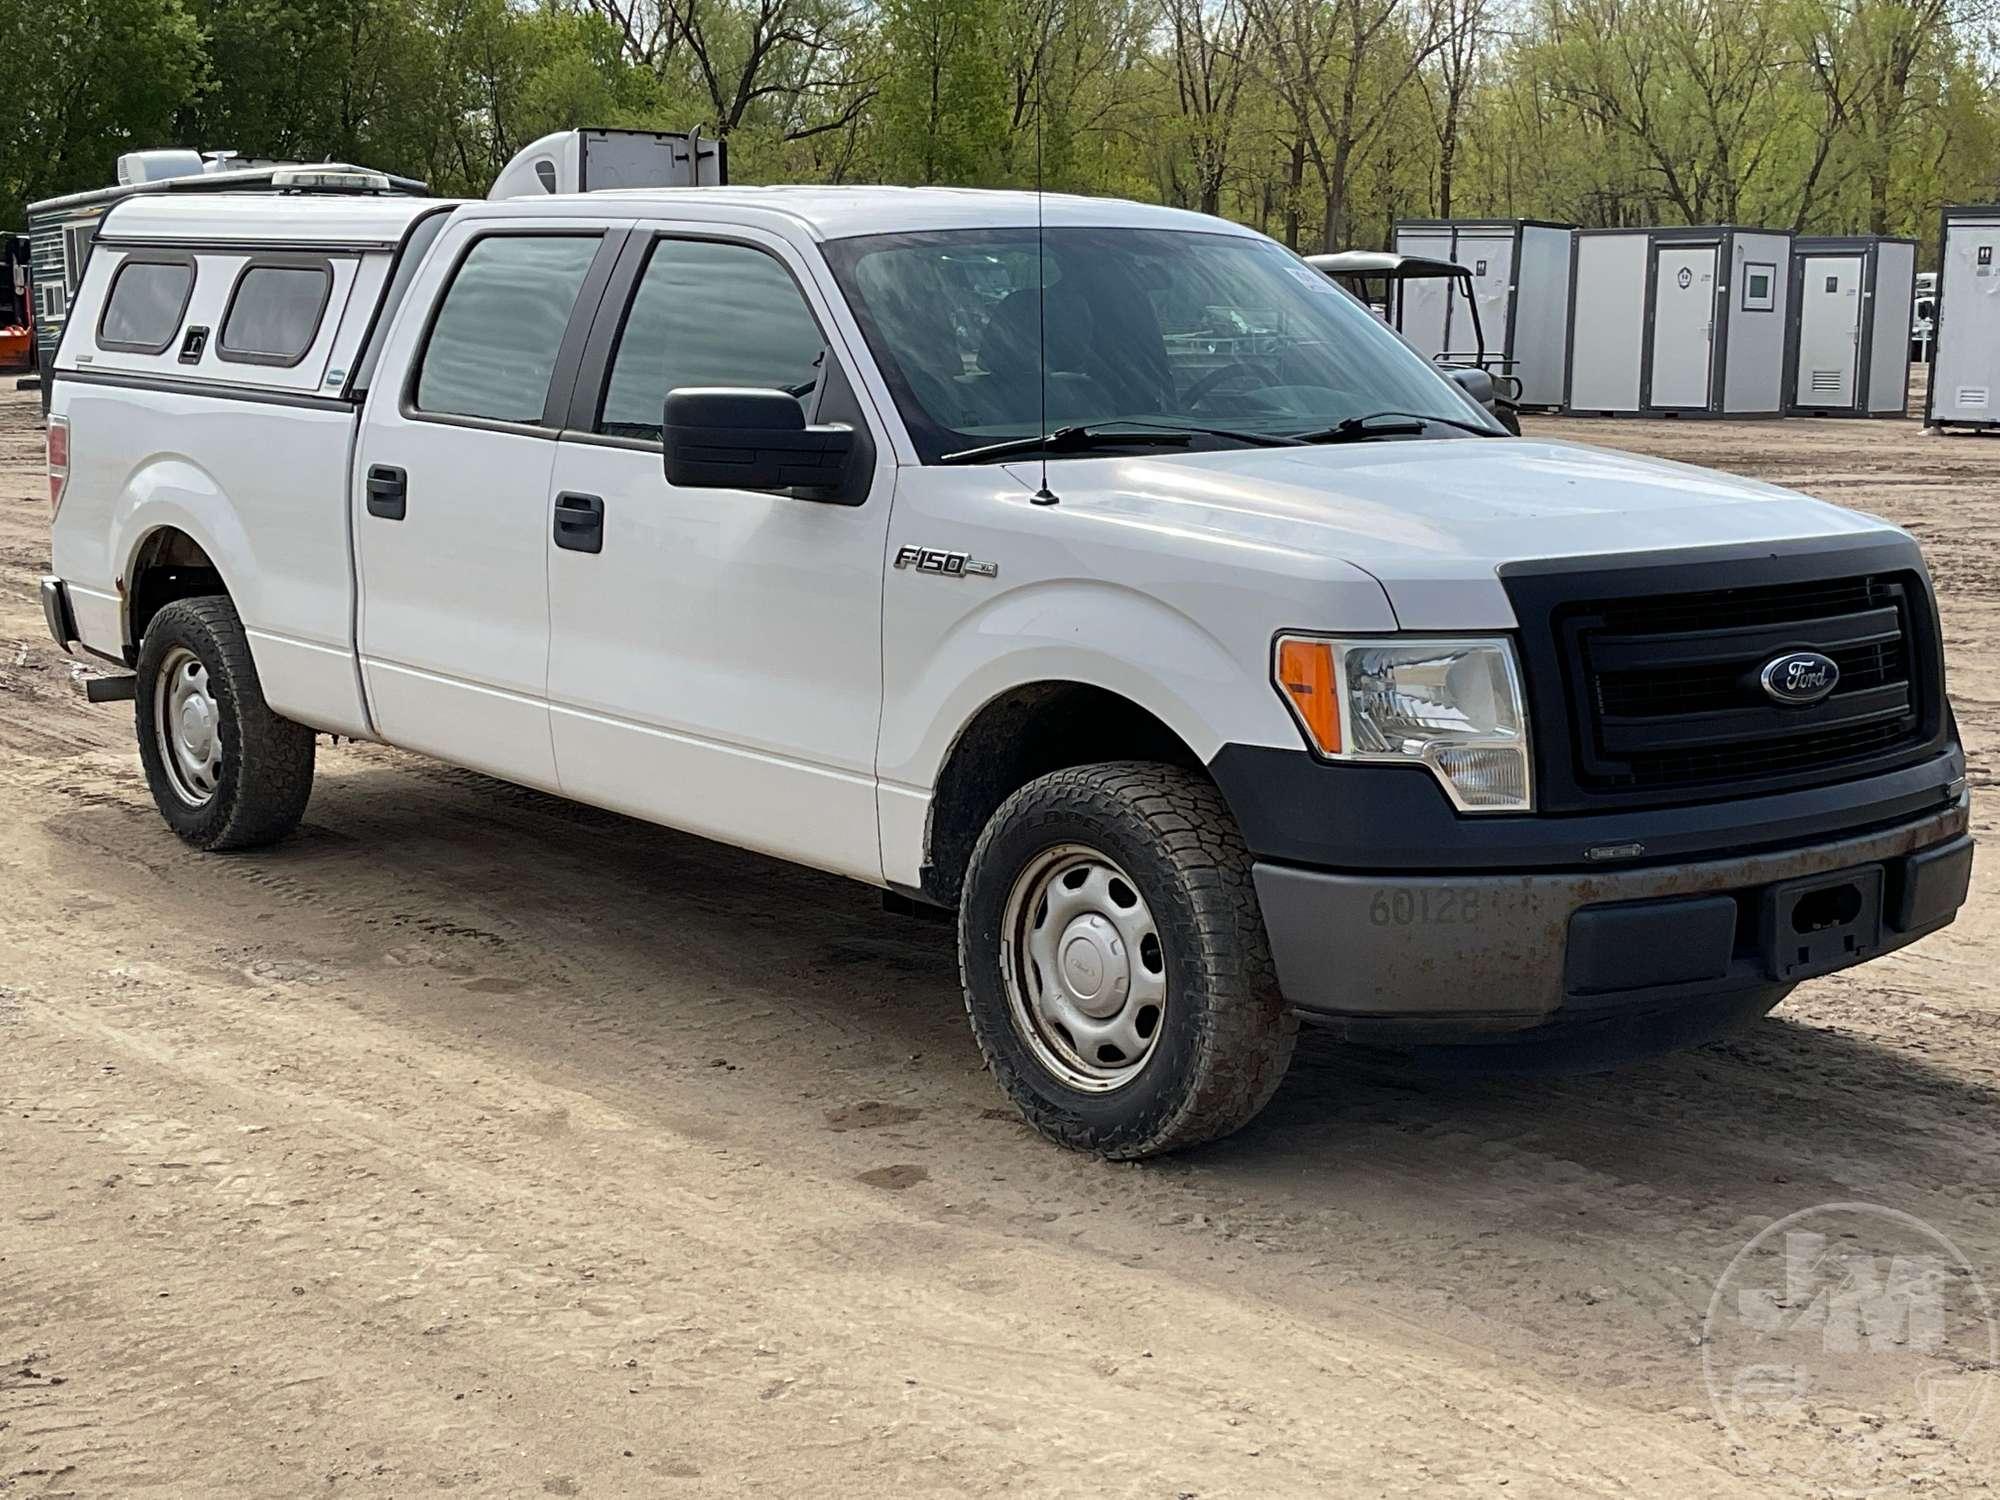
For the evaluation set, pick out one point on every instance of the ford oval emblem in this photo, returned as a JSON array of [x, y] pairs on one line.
[[1799, 677]]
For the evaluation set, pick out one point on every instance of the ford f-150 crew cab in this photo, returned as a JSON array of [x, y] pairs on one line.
[[1096, 571]]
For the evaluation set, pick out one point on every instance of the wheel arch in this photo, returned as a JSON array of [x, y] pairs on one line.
[[165, 563], [1021, 733]]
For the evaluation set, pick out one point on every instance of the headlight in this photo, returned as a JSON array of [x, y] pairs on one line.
[[1452, 705]]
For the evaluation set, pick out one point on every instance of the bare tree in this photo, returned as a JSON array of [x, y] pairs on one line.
[[1205, 58], [1448, 85], [1317, 55]]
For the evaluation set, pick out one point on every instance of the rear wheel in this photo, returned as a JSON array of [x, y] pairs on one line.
[[225, 771], [1114, 960]]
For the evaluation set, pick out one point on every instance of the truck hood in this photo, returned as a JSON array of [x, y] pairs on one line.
[[1434, 520]]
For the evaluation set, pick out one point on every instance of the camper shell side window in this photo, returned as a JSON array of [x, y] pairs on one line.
[[146, 302], [275, 310]]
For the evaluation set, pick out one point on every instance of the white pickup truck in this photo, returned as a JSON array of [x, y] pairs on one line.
[[1096, 571]]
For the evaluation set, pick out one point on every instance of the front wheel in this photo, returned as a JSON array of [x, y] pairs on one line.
[[226, 772], [1115, 966]]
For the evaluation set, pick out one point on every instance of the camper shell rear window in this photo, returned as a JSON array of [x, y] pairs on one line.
[[149, 297], [275, 310]]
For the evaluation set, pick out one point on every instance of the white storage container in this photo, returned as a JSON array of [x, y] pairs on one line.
[[1679, 322], [1520, 280], [1851, 304], [1965, 359]]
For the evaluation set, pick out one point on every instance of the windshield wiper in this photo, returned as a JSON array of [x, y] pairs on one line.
[[1255, 439], [1069, 440], [1388, 424]]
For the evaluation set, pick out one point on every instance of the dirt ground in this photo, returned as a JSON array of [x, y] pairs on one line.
[[475, 1142]]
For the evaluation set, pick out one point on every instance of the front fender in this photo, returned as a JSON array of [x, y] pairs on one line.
[[1090, 631]]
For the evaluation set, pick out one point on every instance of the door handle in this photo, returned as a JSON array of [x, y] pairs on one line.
[[579, 523], [388, 492]]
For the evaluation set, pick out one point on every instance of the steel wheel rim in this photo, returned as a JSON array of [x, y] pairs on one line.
[[1084, 968], [187, 725]]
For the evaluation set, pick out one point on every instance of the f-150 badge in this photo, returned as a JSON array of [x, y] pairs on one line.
[[950, 564]]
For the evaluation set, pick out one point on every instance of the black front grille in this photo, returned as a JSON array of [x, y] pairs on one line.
[[1660, 693]]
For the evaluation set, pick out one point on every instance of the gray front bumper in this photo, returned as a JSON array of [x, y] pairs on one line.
[[56, 613], [1493, 953]]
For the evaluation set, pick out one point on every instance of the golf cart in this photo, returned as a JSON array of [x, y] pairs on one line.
[[1379, 280]]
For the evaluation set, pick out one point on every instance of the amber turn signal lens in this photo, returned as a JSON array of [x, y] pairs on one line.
[[1307, 678]]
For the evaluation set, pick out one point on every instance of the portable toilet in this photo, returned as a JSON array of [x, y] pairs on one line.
[[1852, 298], [1520, 279], [1680, 322], [1965, 352]]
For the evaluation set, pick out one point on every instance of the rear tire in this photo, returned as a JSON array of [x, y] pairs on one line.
[[225, 771], [1116, 970]]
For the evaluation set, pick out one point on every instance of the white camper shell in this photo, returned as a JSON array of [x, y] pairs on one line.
[[1851, 306], [211, 298], [1679, 322], [1520, 279], [1965, 359]]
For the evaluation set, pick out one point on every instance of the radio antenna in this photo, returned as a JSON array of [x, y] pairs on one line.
[[1044, 495]]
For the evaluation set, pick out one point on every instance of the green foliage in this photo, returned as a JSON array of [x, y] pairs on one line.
[[941, 115], [83, 84], [1320, 121]]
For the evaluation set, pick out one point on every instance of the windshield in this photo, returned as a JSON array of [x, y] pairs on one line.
[[1152, 327]]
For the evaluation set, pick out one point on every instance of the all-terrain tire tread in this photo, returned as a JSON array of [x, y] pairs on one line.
[[272, 757], [1245, 1033]]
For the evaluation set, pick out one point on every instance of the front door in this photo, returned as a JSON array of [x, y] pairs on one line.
[[1683, 326], [716, 654], [450, 513], [1829, 330]]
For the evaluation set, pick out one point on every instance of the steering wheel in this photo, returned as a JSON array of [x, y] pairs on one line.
[[1268, 374]]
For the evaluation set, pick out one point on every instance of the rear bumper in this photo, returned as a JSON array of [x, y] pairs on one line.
[[1474, 954], [56, 612]]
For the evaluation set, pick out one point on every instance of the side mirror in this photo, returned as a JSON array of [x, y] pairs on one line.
[[720, 437], [1476, 383]]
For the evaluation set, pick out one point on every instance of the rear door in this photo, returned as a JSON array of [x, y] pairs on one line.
[[1829, 330], [1683, 326], [716, 654], [452, 487]]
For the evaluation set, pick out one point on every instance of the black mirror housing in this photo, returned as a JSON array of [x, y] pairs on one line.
[[724, 437]]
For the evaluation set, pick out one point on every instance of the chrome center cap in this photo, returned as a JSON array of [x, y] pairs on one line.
[[1096, 970], [197, 727]]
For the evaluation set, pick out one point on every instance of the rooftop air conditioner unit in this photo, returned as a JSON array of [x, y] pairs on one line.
[[596, 161]]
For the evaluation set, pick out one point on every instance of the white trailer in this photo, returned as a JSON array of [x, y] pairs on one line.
[[1520, 280], [1965, 358], [1850, 345], [1679, 322]]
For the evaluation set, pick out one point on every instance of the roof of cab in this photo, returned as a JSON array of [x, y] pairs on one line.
[[825, 213], [829, 213], [328, 220]]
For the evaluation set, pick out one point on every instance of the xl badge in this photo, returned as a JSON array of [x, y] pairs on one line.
[[1799, 677], [949, 564]]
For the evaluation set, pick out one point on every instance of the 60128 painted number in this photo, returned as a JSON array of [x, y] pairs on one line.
[[1403, 908]]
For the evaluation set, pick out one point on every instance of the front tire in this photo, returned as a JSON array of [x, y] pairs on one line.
[[1115, 966], [226, 772]]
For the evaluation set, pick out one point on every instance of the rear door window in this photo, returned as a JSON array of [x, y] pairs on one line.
[[493, 348], [144, 308], [274, 313]]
